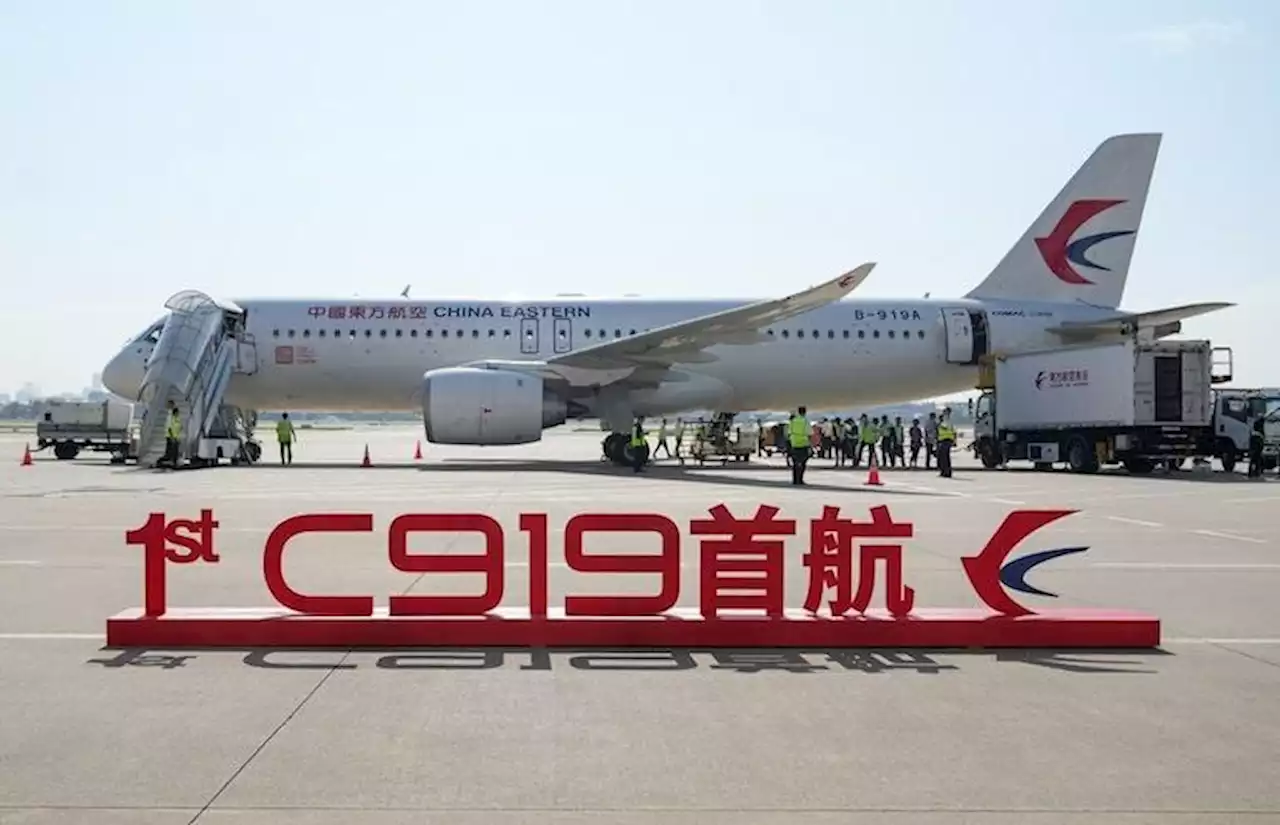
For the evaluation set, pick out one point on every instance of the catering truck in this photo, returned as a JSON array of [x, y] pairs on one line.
[[71, 426], [1124, 402]]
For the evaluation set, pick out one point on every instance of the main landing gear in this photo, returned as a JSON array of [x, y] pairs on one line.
[[617, 448]]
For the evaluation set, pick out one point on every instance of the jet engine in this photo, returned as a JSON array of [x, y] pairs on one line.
[[471, 405]]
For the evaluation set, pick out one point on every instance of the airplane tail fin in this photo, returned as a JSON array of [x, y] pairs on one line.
[[1079, 249]]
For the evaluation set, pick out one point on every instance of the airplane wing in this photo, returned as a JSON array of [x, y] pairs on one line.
[[1164, 321], [687, 341]]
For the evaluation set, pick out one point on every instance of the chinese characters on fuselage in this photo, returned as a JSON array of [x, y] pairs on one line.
[[420, 312]]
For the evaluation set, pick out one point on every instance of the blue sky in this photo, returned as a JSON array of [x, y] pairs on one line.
[[501, 148]]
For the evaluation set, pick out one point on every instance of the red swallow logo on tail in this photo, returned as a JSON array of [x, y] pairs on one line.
[[1060, 251]]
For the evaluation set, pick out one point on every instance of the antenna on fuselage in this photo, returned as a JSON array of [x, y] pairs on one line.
[[927, 294], [404, 293]]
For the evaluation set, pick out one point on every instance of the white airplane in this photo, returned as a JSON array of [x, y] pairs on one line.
[[496, 372]]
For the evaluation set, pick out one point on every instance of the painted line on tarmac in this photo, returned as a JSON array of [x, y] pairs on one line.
[[50, 637], [1252, 500], [1156, 565], [1215, 534], [1216, 641], [19, 563], [1137, 521]]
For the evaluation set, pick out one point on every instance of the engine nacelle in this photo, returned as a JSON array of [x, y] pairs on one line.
[[471, 405]]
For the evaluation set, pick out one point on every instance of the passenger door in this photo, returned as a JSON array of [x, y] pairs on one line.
[[959, 336]]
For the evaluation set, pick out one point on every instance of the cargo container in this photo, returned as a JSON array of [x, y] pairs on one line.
[[1125, 402]]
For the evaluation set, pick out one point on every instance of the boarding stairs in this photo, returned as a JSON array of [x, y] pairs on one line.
[[203, 344]]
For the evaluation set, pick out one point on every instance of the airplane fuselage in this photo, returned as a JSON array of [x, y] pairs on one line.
[[371, 355]]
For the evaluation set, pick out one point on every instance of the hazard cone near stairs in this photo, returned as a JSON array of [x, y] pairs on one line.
[[26, 456], [366, 462], [873, 475], [417, 451]]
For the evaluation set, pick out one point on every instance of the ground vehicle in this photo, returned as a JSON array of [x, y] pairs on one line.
[[724, 441], [1127, 402], [1234, 411], [71, 426]]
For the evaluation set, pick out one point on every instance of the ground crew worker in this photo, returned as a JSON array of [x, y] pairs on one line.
[[1256, 441], [917, 439], [172, 437], [930, 439], [639, 447], [798, 430], [286, 435], [679, 438], [946, 440], [899, 441], [662, 439]]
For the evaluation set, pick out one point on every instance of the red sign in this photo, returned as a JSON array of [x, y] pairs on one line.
[[741, 577]]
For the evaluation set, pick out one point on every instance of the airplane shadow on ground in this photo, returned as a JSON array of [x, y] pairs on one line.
[[807, 661], [779, 476], [714, 474]]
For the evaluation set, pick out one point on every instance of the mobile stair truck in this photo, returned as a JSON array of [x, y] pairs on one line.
[[72, 426], [1123, 402]]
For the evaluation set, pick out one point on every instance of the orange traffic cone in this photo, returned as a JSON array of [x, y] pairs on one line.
[[366, 462], [417, 451], [26, 456], [873, 475]]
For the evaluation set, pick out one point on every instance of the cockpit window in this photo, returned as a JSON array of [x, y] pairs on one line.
[[151, 335]]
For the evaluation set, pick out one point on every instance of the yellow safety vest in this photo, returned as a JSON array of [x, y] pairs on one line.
[[637, 436], [870, 433], [799, 430], [946, 433], [174, 430], [284, 431]]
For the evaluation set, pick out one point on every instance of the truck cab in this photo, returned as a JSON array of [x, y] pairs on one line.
[[1234, 412]]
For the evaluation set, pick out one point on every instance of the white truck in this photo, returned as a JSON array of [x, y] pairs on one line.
[[71, 426], [1125, 402], [1234, 411]]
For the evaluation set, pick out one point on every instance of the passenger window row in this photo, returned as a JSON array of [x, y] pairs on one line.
[[587, 333]]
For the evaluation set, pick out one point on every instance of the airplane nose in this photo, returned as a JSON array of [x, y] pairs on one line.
[[122, 375]]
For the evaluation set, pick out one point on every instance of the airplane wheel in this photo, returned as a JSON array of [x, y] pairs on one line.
[[615, 449], [252, 451]]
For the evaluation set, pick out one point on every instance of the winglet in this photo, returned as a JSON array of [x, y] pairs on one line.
[[832, 290]]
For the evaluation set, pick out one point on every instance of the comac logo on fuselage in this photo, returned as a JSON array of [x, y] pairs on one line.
[[1060, 251]]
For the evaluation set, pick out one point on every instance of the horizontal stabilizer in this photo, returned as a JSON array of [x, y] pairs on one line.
[[1125, 323]]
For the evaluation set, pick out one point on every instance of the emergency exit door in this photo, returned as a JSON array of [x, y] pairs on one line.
[[563, 331], [529, 336], [959, 336]]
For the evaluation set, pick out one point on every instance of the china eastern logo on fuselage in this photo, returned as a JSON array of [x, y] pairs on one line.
[[1060, 251]]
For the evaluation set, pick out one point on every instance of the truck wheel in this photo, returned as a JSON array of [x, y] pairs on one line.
[[1228, 457], [988, 454], [1139, 466], [65, 451], [1080, 456], [253, 451]]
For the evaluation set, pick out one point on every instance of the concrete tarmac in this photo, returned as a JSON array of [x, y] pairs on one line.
[[1188, 733]]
